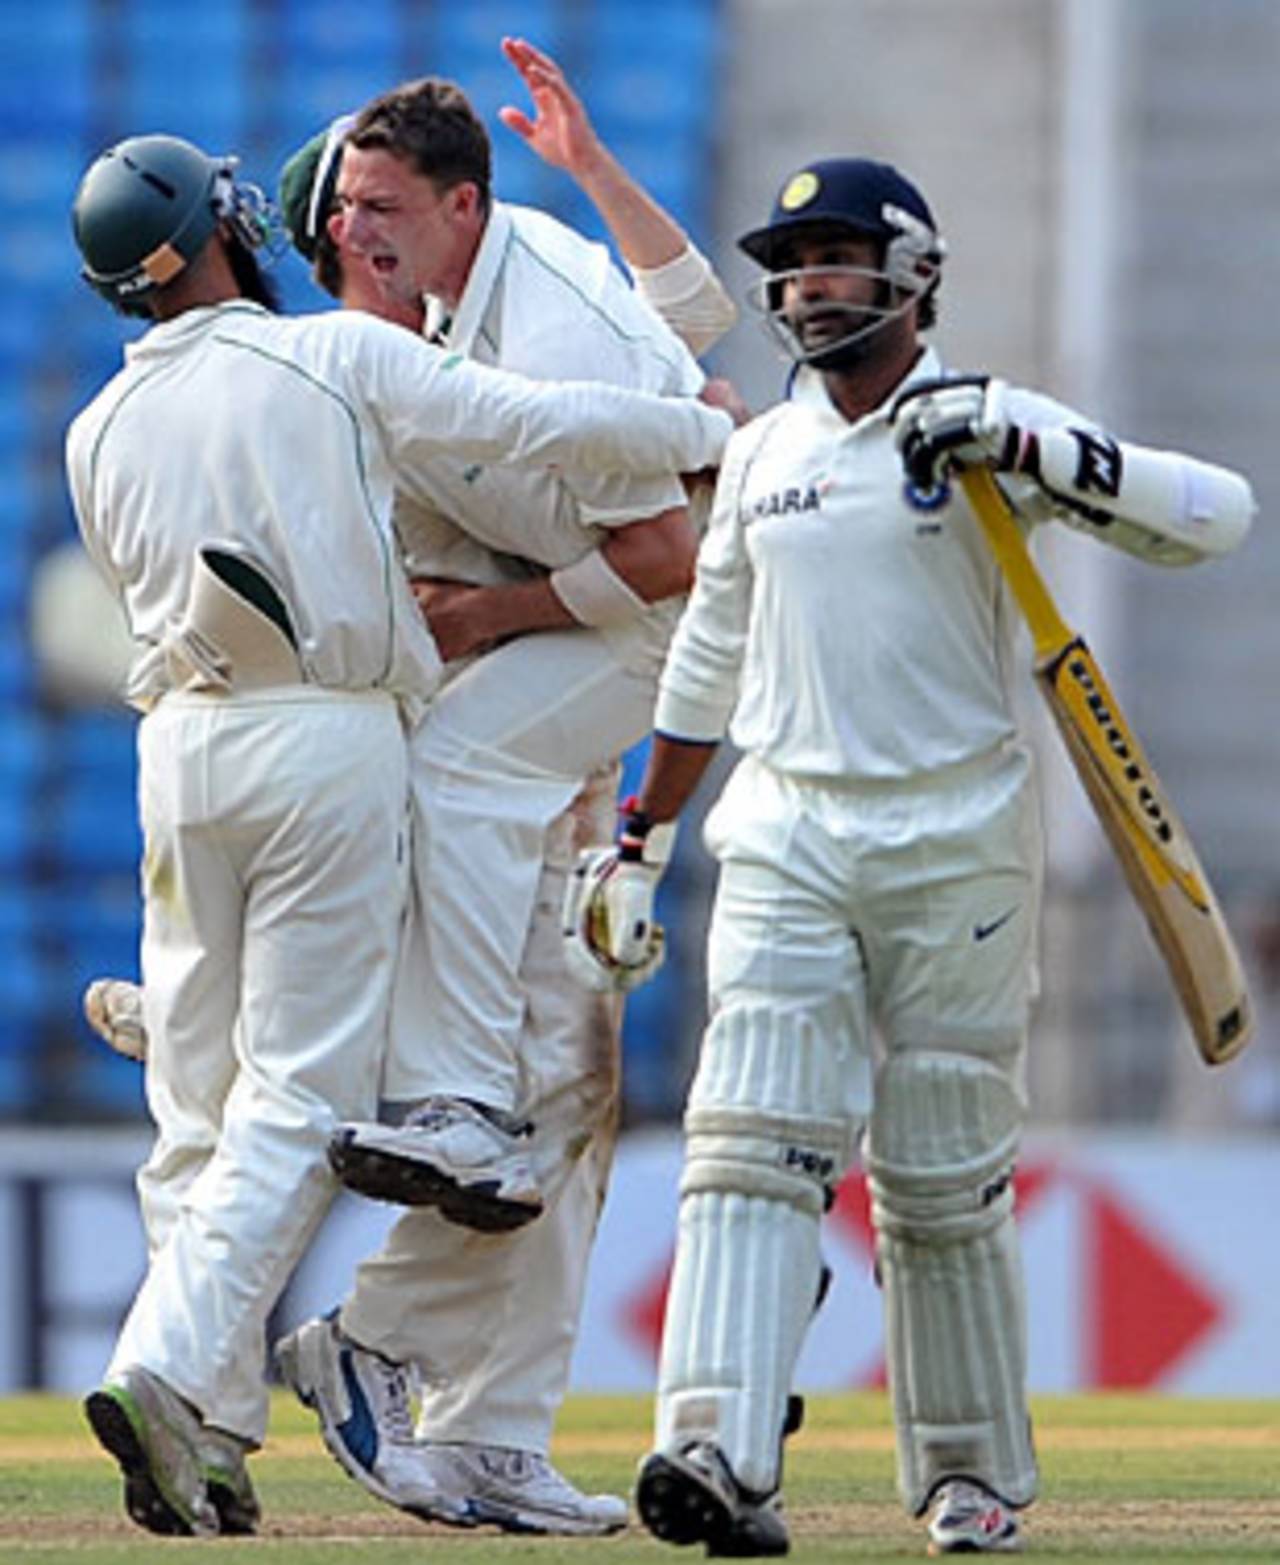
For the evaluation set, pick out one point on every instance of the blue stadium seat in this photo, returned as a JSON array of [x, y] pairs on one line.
[[37, 259], [45, 49], [17, 672], [331, 58], [188, 70], [19, 1068], [38, 172], [93, 827], [23, 338], [23, 976], [334, 30], [25, 746], [96, 920], [475, 31], [105, 1084], [95, 743]]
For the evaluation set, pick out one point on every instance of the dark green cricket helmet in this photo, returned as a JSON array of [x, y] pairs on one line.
[[148, 206]]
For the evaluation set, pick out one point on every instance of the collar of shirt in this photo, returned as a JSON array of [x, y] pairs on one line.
[[811, 391], [481, 279], [173, 335]]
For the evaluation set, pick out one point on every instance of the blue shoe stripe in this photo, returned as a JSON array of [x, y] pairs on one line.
[[359, 1432]]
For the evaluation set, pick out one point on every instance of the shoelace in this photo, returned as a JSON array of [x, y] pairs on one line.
[[964, 1503], [434, 1113], [397, 1414]]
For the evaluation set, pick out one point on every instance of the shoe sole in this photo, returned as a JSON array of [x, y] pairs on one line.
[[509, 1518], [677, 1509], [385, 1176], [144, 1499], [238, 1512], [1000, 1546]]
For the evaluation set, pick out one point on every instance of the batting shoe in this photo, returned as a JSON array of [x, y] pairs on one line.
[[222, 1455], [155, 1436], [113, 1008], [518, 1491], [691, 1496], [362, 1402], [468, 1160], [969, 1519]]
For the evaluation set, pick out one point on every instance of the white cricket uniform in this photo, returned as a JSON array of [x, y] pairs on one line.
[[859, 653], [491, 1320], [880, 864], [275, 821], [511, 740]]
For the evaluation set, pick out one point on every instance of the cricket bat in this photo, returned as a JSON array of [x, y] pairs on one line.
[[1148, 838]]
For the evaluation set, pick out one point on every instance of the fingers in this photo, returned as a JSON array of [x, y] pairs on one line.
[[720, 393], [516, 120], [528, 59]]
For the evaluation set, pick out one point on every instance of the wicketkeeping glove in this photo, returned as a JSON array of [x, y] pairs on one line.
[[963, 419], [611, 939]]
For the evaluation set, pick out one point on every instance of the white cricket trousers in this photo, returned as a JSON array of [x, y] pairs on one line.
[[502, 752], [490, 1319], [909, 907], [274, 879]]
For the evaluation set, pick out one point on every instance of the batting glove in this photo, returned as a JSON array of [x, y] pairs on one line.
[[962, 420], [612, 942]]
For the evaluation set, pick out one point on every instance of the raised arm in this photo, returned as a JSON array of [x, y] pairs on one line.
[[669, 269]]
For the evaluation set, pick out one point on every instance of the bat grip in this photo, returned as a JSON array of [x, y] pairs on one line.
[[1049, 630]]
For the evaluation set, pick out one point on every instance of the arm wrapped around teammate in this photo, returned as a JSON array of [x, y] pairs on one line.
[[611, 939]]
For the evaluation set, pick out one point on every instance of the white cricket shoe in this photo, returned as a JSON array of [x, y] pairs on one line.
[[518, 1491], [469, 1161], [113, 1008], [362, 1402], [969, 1519], [155, 1437]]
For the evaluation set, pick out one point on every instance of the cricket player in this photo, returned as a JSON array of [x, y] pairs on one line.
[[880, 864], [488, 1323], [235, 482], [512, 739]]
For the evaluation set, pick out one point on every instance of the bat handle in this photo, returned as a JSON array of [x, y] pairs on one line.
[[1049, 630]]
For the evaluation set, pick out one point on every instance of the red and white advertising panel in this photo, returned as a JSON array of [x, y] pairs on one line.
[[1151, 1263]]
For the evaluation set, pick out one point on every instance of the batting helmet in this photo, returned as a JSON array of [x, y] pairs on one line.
[[148, 206], [865, 197]]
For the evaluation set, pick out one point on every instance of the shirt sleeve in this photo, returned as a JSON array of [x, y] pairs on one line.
[[427, 401], [701, 679]]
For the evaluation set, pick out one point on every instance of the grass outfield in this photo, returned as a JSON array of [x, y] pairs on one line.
[[1124, 1478]]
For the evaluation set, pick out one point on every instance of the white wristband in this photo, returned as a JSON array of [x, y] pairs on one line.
[[595, 594]]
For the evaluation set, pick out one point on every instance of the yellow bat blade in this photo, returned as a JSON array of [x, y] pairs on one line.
[[1154, 852], [1149, 840]]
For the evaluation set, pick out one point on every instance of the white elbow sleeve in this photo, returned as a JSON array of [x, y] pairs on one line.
[[1160, 505], [595, 594], [689, 297]]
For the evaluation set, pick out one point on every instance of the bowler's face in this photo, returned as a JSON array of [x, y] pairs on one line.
[[397, 222]]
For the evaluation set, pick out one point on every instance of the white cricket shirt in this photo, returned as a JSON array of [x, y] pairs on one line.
[[285, 437], [833, 630]]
